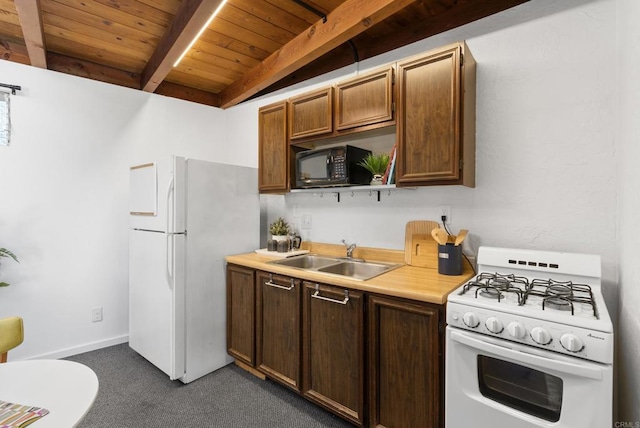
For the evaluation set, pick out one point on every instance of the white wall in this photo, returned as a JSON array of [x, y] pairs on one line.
[[545, 153], [63, 198], [628, 328]]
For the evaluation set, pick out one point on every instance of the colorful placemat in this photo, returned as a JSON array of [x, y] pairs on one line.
[[14, 415]]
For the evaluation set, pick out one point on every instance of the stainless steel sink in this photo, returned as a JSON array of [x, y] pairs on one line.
[[306, 261], [357, 270], [354, 269]]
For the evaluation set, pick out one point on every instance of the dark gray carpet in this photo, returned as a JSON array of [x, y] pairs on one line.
[[133, 393]]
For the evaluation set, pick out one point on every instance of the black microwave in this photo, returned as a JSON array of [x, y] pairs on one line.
[[334, 166]]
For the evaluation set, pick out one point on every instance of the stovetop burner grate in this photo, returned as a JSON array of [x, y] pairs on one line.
[[562, 295], [557, 295]]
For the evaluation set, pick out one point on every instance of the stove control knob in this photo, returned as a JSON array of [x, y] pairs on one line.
[[471, 319], [516, 330], [540, 336], [571, 342], [494, 325]]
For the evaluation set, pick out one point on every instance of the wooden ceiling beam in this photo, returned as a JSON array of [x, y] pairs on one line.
[[188, 94], [189, 19], [463, 12], [15, 52], [345, 22], [341, 56], [30, 16], [91, 70]]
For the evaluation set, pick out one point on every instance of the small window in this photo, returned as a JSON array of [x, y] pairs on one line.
[[521, 388], [5, 122]]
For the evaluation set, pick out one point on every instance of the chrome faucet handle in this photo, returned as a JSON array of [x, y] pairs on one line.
[[350, 248]]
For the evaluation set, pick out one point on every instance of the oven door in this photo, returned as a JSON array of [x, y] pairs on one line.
[[492, 383]]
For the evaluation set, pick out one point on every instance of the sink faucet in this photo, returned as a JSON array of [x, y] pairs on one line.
[[350, 248]]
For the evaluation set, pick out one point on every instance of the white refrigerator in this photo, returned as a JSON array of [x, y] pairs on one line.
[[186, 215]]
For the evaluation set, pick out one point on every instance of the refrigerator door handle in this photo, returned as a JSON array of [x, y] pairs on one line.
[[170, 210], [169, 235], [169, 259]]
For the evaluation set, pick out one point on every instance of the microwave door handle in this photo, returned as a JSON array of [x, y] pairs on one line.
[[488, 345]]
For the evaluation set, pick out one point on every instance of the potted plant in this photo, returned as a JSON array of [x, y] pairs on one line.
[[6, 253], [279, 229], [376, 164]]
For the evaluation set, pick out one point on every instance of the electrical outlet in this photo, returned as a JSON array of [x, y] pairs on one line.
[[444, 211], [96, 314], [306, 221]]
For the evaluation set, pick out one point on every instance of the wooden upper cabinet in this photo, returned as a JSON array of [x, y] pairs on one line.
[[430, 98], [436, 118], [273, 149], [365, 100], [311, 114]]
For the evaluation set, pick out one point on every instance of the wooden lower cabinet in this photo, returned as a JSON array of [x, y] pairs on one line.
[[406, 376], [373, 360], [278, 328], [333, 350], [241, 306]]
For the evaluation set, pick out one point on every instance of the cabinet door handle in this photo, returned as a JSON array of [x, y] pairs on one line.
[[317, 295], [270, 283]]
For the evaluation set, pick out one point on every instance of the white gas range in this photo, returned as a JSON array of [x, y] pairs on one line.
[[525, 337]]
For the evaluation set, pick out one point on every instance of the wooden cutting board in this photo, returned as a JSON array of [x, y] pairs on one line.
[[424, 251], [419, 253]]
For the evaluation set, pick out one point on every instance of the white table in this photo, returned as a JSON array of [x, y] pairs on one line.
[[66, 388]]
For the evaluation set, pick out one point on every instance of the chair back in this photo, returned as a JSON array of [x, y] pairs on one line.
[[11, 335]]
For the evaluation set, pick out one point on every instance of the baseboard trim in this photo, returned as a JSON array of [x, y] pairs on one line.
[[87, 347]]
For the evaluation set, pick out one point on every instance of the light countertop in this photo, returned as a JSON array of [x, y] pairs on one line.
[[409, 282]]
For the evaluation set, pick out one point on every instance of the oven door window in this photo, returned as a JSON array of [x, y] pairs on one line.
[[519, 387]]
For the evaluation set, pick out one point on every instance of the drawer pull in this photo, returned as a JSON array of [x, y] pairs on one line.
[[317, 295], [270, 283]]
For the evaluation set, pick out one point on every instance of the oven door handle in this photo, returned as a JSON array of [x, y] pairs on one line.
[[579, 368]]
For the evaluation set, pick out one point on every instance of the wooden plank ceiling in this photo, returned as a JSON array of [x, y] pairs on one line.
[[251, 48]]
